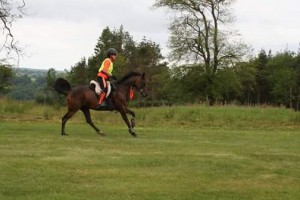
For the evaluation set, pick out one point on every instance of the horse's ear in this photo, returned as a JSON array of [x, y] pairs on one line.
[[143, 75]]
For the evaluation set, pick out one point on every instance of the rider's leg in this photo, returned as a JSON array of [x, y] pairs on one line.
[[102, 97], [103, 86]]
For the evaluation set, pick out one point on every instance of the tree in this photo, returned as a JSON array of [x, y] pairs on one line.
[[10, 11], [78, 73], [246, 72], [262, 83], [296, 102], [147, 57], [159, 84], [198, 32], [51, 77], [228, 85], [6, 75], [189, 84], [282, 77], [48, 95]]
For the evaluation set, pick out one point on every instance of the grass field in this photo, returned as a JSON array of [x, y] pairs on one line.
[[188, 153]]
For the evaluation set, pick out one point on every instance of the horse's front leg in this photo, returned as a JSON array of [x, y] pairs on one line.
[[125, 118], [133, 117]]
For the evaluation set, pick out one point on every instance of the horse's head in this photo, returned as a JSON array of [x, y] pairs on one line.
[[140, 84], [135, 80]]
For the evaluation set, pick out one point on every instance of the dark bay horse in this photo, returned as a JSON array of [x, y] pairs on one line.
[[84, 98]]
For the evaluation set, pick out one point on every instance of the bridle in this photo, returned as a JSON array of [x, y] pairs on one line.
[[142, 92]]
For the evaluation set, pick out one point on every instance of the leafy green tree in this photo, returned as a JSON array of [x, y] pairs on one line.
[[283, 83], [48, 95], [158, 84], [262, 83], [282, 70], [41, 89], [78, 73], [6, 76], [296, 101], [246, 74], [200, 34], [148, 54], [147, 59], [189, 84], [51, 77], [175, 87], [228, 85]]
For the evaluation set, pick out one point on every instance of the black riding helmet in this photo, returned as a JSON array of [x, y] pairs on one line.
[[111, 51]]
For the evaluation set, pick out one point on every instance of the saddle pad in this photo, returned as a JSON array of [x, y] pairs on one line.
[[98, 89]]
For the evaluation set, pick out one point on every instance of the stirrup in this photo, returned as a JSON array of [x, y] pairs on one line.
[[104, 104]]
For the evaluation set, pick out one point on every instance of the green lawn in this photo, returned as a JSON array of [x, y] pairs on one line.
[[169, 162]]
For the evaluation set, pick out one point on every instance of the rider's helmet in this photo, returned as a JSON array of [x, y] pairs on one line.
[[111, 51]]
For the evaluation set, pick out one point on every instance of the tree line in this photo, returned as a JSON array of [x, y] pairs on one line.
[[265, 79]]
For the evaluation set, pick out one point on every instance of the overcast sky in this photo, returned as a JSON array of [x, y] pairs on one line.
[[58, 33]]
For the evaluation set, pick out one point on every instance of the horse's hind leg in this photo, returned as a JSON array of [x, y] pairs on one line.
[[88, 119], [64, 120]]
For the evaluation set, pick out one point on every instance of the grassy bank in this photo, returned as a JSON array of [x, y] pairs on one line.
[[179, 116]]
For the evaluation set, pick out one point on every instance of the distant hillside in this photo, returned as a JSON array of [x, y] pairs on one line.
[[30, 72], [33, 73], [30, 84]]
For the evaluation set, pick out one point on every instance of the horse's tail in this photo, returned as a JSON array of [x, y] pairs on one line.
[[62, 86]]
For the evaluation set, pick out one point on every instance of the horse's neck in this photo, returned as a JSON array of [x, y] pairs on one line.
[[123, 87], [126, 85]]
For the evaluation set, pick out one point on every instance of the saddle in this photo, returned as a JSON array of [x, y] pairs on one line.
[[94, 85]]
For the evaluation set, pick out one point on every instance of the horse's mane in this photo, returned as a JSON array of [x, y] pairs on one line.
[[129, 75]]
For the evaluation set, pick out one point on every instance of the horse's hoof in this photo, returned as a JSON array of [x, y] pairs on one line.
[[101, 133], [132, 133], [64, 134]]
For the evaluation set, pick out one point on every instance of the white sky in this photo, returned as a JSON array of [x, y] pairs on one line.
[[58, 33]]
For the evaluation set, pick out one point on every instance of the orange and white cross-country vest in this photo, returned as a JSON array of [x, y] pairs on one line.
[[106, 68]]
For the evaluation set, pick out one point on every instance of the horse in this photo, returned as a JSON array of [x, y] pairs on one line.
[[84, 98]]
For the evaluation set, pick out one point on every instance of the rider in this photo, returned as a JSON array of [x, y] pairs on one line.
[[105, 72]]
